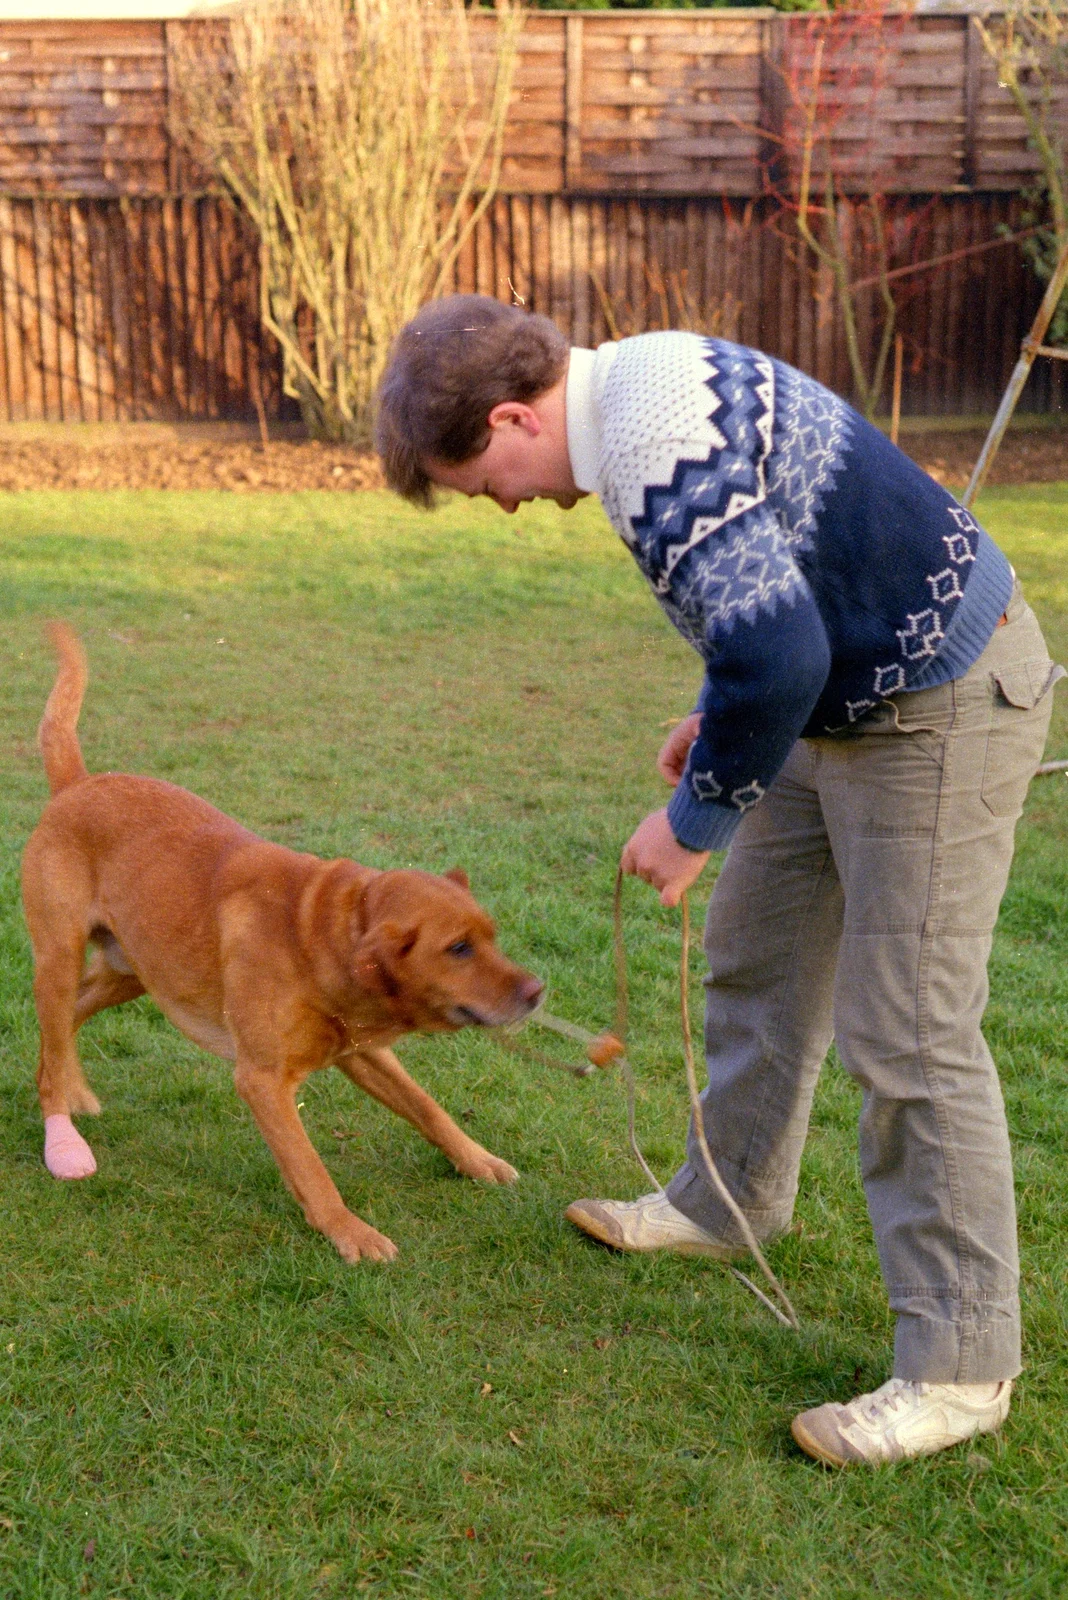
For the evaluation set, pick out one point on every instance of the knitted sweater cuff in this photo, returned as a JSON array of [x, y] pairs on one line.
[[700, 825]]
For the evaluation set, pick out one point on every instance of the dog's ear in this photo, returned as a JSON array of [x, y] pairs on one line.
[[378, 954], [396, 941], [370, 970], [458, 875]]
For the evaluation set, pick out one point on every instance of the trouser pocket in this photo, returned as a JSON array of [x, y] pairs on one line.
[[1019, 719]]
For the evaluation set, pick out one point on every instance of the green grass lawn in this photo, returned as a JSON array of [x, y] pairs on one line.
[[199, 1399]]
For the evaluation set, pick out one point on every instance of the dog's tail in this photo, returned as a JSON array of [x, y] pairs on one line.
[[58, 734]]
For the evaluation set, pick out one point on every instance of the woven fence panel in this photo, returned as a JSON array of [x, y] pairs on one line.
[[664, 104], [887, 101], [621, 103], [83, 108]]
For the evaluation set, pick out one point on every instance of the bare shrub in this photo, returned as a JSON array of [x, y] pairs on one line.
[[1029, 46], [363, 138], [834, 184]]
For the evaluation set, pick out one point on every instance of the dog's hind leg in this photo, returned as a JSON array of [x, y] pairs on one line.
[[379, 1072], [61, 1083], [102, 987], [67, 1155], [56, 900]]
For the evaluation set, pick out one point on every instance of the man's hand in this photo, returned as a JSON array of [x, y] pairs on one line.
[[654, 854], [676, 747]]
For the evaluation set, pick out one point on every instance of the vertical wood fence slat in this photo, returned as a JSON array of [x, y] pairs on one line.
[[6, 413], [106, 364], [63, 264], [85, 368], [230, 352], [144, 398], [561, 276], [519, 214], [43, 228], [149, 307], [12, 325], [172, 285], [189, 250], [208, 234], [29, 310], [125, 292]]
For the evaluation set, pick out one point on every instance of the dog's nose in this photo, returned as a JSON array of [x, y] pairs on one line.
[[529, 991]]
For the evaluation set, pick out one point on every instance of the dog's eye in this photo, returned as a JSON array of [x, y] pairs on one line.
[[460, 949]]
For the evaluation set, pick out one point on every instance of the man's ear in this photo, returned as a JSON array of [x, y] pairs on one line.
[[458, 875], [515, 412]]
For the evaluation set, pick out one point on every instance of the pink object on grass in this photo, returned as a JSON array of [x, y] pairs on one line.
[[66, 1153]]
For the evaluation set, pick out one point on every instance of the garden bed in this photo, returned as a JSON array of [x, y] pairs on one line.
[[227, 456]]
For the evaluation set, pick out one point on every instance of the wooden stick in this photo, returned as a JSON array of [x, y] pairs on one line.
[[699, 1130], [895, 412], [1028, 351], [602, 1049]]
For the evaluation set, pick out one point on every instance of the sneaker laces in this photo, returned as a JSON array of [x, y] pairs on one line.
[[892, 1397]]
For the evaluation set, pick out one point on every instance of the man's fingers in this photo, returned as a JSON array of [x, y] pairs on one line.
[[633, 867]]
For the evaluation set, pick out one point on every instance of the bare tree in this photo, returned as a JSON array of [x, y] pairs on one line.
[[1029, 46], [834, 78], [363, 138]]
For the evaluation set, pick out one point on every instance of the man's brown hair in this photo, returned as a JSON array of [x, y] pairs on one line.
[[457, 359]]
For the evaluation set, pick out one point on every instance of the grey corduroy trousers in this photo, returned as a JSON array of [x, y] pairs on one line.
[[858, 902]]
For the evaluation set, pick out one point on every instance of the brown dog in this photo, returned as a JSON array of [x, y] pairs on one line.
[[279, 962]]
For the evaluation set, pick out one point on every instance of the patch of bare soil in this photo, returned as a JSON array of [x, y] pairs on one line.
[[205, 456], [1023, 456], [63, 459]]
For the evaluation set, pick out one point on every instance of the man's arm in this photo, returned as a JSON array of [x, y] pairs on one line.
[[747, 607]]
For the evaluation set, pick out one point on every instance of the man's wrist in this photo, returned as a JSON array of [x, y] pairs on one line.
[[700, 825]]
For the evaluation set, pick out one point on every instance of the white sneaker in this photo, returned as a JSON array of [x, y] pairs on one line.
[[650, 1223], [901, 1419]]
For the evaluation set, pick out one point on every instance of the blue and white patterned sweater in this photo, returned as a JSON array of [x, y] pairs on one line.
[[815, 569]]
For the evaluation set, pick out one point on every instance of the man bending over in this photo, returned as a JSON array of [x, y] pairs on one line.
[[876, 697]]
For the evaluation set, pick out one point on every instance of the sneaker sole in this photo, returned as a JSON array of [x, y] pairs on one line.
[[813, 1448], [819, 1452], [595, 1229]]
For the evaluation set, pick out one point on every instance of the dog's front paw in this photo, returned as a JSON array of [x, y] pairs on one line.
[[355, 1241], [479, 1164]]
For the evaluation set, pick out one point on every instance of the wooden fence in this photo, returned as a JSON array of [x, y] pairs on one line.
[[148, 307], [639, 155], [620, 103]]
